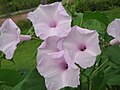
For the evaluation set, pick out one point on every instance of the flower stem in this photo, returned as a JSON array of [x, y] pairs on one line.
[[0, 68], [88, 83], [94, 73], [0, 63], [25, 37]]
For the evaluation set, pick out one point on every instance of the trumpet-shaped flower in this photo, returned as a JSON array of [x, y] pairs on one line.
[[114, 30], [50, 20], [10, 37], [58, 70], [82, 44]]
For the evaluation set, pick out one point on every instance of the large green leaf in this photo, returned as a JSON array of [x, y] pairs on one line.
[[9, 77], [94, 25], [34, 81], [97, 16], [112, 76], [24, 57], [113, 52], [97, 82]]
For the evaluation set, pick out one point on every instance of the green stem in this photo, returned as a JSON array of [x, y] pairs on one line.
[[1, 60], [0, 63], [0, 68], [94, 73], [88, 83]]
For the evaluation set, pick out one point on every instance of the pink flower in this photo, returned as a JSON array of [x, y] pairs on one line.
[[10, 37], [50, 20], [82, 44], [58, 70], [48, 46], [114, 30]]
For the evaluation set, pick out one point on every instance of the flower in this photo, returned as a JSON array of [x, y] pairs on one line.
[[114, 30], [58, 70], [48, 46], [83, 46], [50, 20], [10, 37]]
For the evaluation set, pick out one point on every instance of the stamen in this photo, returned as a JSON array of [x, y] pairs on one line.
[[82, 48]]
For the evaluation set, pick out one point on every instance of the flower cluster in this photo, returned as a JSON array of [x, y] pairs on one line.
[[64, 47]]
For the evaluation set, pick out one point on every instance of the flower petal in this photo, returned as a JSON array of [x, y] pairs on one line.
[[79, 43], [59, 71], [47, 47], [50, 20], [113, 28], [10, 37]]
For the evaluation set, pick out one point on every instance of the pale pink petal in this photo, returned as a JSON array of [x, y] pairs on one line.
[[113, 28], [49, 45], [71, 77], [85, 59], [59, 71], [54, 83], [82, 45], [60, 44], [114, 42], [50, 20], [92, 43], [10, 37], [9, 50], [48, 67], [55, 55]]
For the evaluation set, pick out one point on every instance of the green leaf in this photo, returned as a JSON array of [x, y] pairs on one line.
[[97, 82], [113, 52], [112, 76], [115, 80], [97, 16], [78, 19], [95, 25], [34, 81], [9, 77], [24, 56]]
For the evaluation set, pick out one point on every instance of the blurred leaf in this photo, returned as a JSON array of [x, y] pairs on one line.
[[97, 16], [34, 81], [95, 25], [112, 76], [9, 77], [115, 80], [97, 82], [113, 52]]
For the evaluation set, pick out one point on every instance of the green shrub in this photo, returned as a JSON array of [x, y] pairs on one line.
[[97, 5], [8, 6]]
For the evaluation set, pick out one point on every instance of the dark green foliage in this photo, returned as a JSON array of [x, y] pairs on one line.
[[9, 77], [34, 81], [8, 6], [97, 5], [24, 25]]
